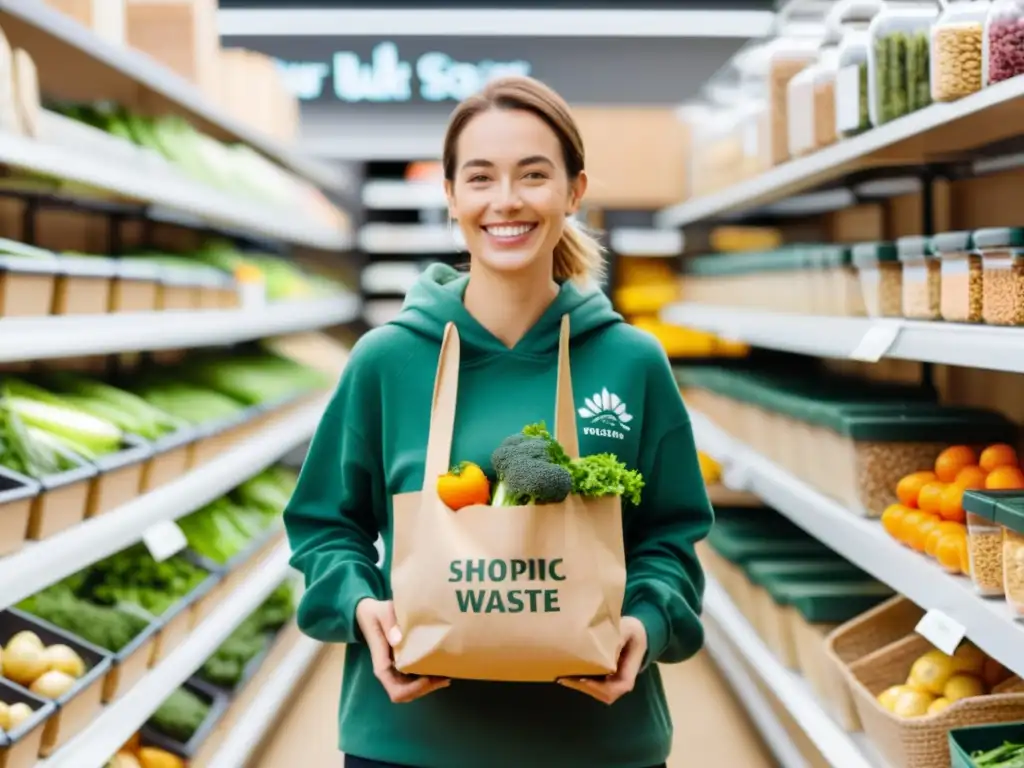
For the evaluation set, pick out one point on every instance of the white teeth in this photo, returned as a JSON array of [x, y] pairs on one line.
[[510, 231]]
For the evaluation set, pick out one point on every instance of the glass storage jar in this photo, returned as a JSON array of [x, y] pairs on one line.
[[922, 278], [881, 278], [961, 277], [800, 112], [1010, 515], [1003, 44], [812, 102], [1002, 268], [898, 60], [956, 44], [786, 57], [851, 89], [984, 542]]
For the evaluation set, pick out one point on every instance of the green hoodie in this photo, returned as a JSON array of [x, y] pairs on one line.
[[371, 444]]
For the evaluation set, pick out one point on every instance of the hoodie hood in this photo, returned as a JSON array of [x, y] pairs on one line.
[[437, 299]]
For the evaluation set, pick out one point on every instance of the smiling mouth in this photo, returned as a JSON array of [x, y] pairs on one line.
[[509, 231]]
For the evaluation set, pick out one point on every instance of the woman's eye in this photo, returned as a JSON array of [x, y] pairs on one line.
[[536, 175], [477, 179]]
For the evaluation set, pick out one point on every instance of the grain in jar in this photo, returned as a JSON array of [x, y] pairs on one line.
[[1010, 515], [922, 278], [899, 69], [956, 50], [786, 58], [961, 277], [984, 542], [1003, 45], [1002, 266], [881, 278]]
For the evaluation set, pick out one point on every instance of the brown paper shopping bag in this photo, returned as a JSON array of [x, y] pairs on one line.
[[521, 594]]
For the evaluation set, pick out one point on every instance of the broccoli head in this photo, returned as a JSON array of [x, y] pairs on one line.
[[527, 474]]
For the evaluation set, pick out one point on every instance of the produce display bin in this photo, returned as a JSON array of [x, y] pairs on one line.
[[212, 285], [1002, 264], [28, 280], [62, 501], [922, 278], [219, 704], [77, 708], [178, 290], [120, 477], [136, 285], [83, 285], [881, 278], [919, 742], [20, 747], [17, 495], [179, 620], [964, 742], [130, 664], [169, 459], [961, 291]]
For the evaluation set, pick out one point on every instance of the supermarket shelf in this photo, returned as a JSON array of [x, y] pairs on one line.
[[970, 346], [116, 723], [635, 241], [259, 718], [172, 190], [43, 563], [730, 639], [410, 238], [49, 34], [403, 195], [937, 132], [70, 335], [989, 623]]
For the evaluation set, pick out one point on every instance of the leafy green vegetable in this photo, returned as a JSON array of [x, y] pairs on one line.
[[181, 715], [133, 576], [1009, 755], [108, 627], [527, 474]]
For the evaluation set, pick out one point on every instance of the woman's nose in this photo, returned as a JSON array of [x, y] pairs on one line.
[[507, 198]]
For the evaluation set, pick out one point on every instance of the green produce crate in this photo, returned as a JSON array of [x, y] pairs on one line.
[[963, 742], [218, 703], [20, 747], [823, 570], [17, 495], [77, 708]]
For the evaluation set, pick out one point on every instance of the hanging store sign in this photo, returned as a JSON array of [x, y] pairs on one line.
[[386, 76]]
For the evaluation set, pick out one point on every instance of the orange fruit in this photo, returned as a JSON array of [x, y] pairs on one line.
[[909, 488], [918, 537], [952, 460], [936, 534], [951, 505], [930, 499], [950, 552], [998, 455], [892, 520], [972, 478], [911, 519], [1005, 478]]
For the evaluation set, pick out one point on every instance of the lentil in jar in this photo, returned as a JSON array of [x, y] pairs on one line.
[[985, 549], [882, 287], [961, 290]]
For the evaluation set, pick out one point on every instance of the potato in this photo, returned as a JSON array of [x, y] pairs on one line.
[[63, 658], [18, 714], [53, 684], [23, 663]]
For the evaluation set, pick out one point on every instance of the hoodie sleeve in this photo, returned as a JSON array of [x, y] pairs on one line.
[[330, 519], [664, 579]]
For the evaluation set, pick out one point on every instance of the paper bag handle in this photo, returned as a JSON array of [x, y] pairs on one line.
[[446, 388]]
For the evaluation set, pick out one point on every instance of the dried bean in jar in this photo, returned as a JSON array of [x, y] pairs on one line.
[[922, 291], [1003, 291], [957, 64], [1005, 49]]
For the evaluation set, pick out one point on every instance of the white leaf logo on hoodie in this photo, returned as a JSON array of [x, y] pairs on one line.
[[606, 408]]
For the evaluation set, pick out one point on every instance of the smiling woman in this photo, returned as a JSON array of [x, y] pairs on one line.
[[514, 174]]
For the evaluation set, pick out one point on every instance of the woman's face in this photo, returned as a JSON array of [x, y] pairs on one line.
[[511, 192]]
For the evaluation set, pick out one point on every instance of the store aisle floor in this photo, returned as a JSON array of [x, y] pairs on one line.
[[711, 726]]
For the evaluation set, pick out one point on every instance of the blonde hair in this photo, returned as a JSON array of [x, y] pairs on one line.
[[578, 255]]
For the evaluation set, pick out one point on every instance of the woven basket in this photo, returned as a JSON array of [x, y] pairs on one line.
[[882, 625], [919, 742]]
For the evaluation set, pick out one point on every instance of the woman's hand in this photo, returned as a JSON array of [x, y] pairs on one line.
[[631, 656], [376, 619]]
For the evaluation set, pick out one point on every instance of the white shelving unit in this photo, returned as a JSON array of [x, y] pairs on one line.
[[988, 623], [116, 723], [972, 346], [410, 238], [731, 641], [62, 336], [41, 564], [389, 195], [637, 241]]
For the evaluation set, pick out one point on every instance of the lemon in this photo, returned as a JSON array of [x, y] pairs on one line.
[[911, 703], [709, 469], [969, 659], [888, 697], [963, 687], [931, 672], [938, 705]]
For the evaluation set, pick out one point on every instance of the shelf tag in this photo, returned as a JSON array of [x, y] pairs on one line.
[[941, 631], [878, 340], [164, 540]]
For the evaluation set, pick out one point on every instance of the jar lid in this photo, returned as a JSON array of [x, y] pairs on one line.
[[914, 247], [999, 237], [953, 242], [1010, 513], [869, 254], [985, 503]]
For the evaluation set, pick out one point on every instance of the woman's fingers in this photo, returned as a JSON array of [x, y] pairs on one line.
[[614, 686], [402, 689]]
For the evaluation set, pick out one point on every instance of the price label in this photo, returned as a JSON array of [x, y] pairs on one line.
[[876, 342], [848, 98], [164, 540], [941, 631]]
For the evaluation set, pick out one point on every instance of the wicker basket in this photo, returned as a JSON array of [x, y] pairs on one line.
[[891, 621], [920, 742]]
